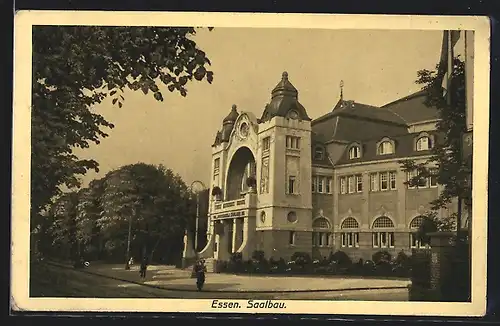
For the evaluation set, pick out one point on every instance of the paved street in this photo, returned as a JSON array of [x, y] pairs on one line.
[[169, 282]]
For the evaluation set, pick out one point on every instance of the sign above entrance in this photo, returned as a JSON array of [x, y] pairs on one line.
[[230, 215]]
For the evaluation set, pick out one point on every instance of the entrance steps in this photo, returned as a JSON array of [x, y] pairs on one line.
[[210, 264]]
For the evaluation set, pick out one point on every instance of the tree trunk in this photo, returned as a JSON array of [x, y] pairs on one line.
[[154, 248]]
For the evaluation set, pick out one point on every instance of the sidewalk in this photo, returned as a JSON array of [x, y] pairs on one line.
[[170, 278]]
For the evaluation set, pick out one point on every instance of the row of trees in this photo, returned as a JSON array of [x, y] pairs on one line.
[[93, 223]]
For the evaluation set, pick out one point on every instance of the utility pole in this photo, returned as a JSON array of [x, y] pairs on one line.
[[201, 187], [127, 255]]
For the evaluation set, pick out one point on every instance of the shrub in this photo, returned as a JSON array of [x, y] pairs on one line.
[[341, 259], [235, 264], [369, 267], [277, 266], [258, 255], [300, 262], [381, 257]]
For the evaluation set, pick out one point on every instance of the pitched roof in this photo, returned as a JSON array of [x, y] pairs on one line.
[[404, 148], [412, 108]]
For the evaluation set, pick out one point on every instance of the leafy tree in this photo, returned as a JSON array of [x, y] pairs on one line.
[[63, 229], [152, 198], [77, 67], [452, 171]]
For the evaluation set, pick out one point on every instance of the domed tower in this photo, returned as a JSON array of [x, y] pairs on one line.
[[284, 212], [228, 123]]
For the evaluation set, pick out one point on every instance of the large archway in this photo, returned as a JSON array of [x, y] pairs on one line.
[[241, 167]]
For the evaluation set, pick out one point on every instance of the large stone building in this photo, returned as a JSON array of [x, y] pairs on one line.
[[318, 186]]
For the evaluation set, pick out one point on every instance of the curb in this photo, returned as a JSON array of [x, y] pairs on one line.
[[231, 291]]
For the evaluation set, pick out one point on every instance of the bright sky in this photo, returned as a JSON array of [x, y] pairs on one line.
[[377, 67]]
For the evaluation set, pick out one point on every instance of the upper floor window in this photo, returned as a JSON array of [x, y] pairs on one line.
[[424, 143], [422, 181], [216, 167], [321, 184], [266, 143], [386, 147], [354, 152], [291, 185], [292, 142], [319, 153], [351, 184]]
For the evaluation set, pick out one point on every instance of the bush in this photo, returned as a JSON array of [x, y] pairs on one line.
[[300, 262], [341, 259], [236, 264], [381, 257], [277, 266]]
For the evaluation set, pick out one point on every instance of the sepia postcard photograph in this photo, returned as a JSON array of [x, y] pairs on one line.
[[250, 163]]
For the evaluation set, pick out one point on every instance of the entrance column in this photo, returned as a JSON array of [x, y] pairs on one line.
[[222, 240], [237, 234]]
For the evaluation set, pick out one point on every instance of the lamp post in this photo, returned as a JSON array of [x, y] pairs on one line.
[[197, 186], [127, 255]]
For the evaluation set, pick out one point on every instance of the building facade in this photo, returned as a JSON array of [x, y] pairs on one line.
[[284, 183]]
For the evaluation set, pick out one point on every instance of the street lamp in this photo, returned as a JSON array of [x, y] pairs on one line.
[[197, 186]]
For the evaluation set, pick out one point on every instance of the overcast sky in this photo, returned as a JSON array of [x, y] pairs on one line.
[[377, 67]]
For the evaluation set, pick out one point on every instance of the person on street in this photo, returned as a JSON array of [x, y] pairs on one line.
[[143, 269], [200, 270]]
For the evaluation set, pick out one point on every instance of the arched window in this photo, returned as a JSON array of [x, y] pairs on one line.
[[383, 238], [321, 223], [350, 223], [349, 235], [385, 147], [424, 143], [322, 236], [414, 226], [354, 152]]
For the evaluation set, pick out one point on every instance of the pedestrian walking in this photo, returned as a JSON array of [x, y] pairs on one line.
[[143, 269], [200, 270]]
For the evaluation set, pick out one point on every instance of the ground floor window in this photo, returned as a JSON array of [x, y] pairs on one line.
[[322, 239], [291, 238], [383, 239], [349, 239], [415, 243]]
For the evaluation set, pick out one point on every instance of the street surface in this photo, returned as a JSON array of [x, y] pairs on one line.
[[168, 282]]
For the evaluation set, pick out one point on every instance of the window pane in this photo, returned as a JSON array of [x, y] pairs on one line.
[[359, 183], [328, 185]]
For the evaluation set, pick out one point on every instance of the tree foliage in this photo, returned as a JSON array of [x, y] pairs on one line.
[[446, 153], [78, 67], [95, 220]]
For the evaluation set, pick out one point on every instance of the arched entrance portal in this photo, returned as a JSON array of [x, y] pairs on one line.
[[241, 167]]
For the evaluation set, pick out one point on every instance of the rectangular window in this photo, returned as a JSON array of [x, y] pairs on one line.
[[350, 184], [373, 182], [376, 240], [359, 183], [423, 183], [291, 238], [292, 142], [266, 143], [390, 236], [392, 180], [409, 177], [313, 183], [383, 181], [433, 177], [320, 185], [328, 185], [343, 240], [342, 185], [291, 184], [356, 240]]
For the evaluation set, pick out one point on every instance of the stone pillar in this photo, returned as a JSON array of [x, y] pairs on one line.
[[450, 268], [222, 241], [237, 234], [188, 254]]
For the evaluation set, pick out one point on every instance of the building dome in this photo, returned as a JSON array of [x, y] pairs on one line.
[[232, 116], [284, 102], [284, 88]]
